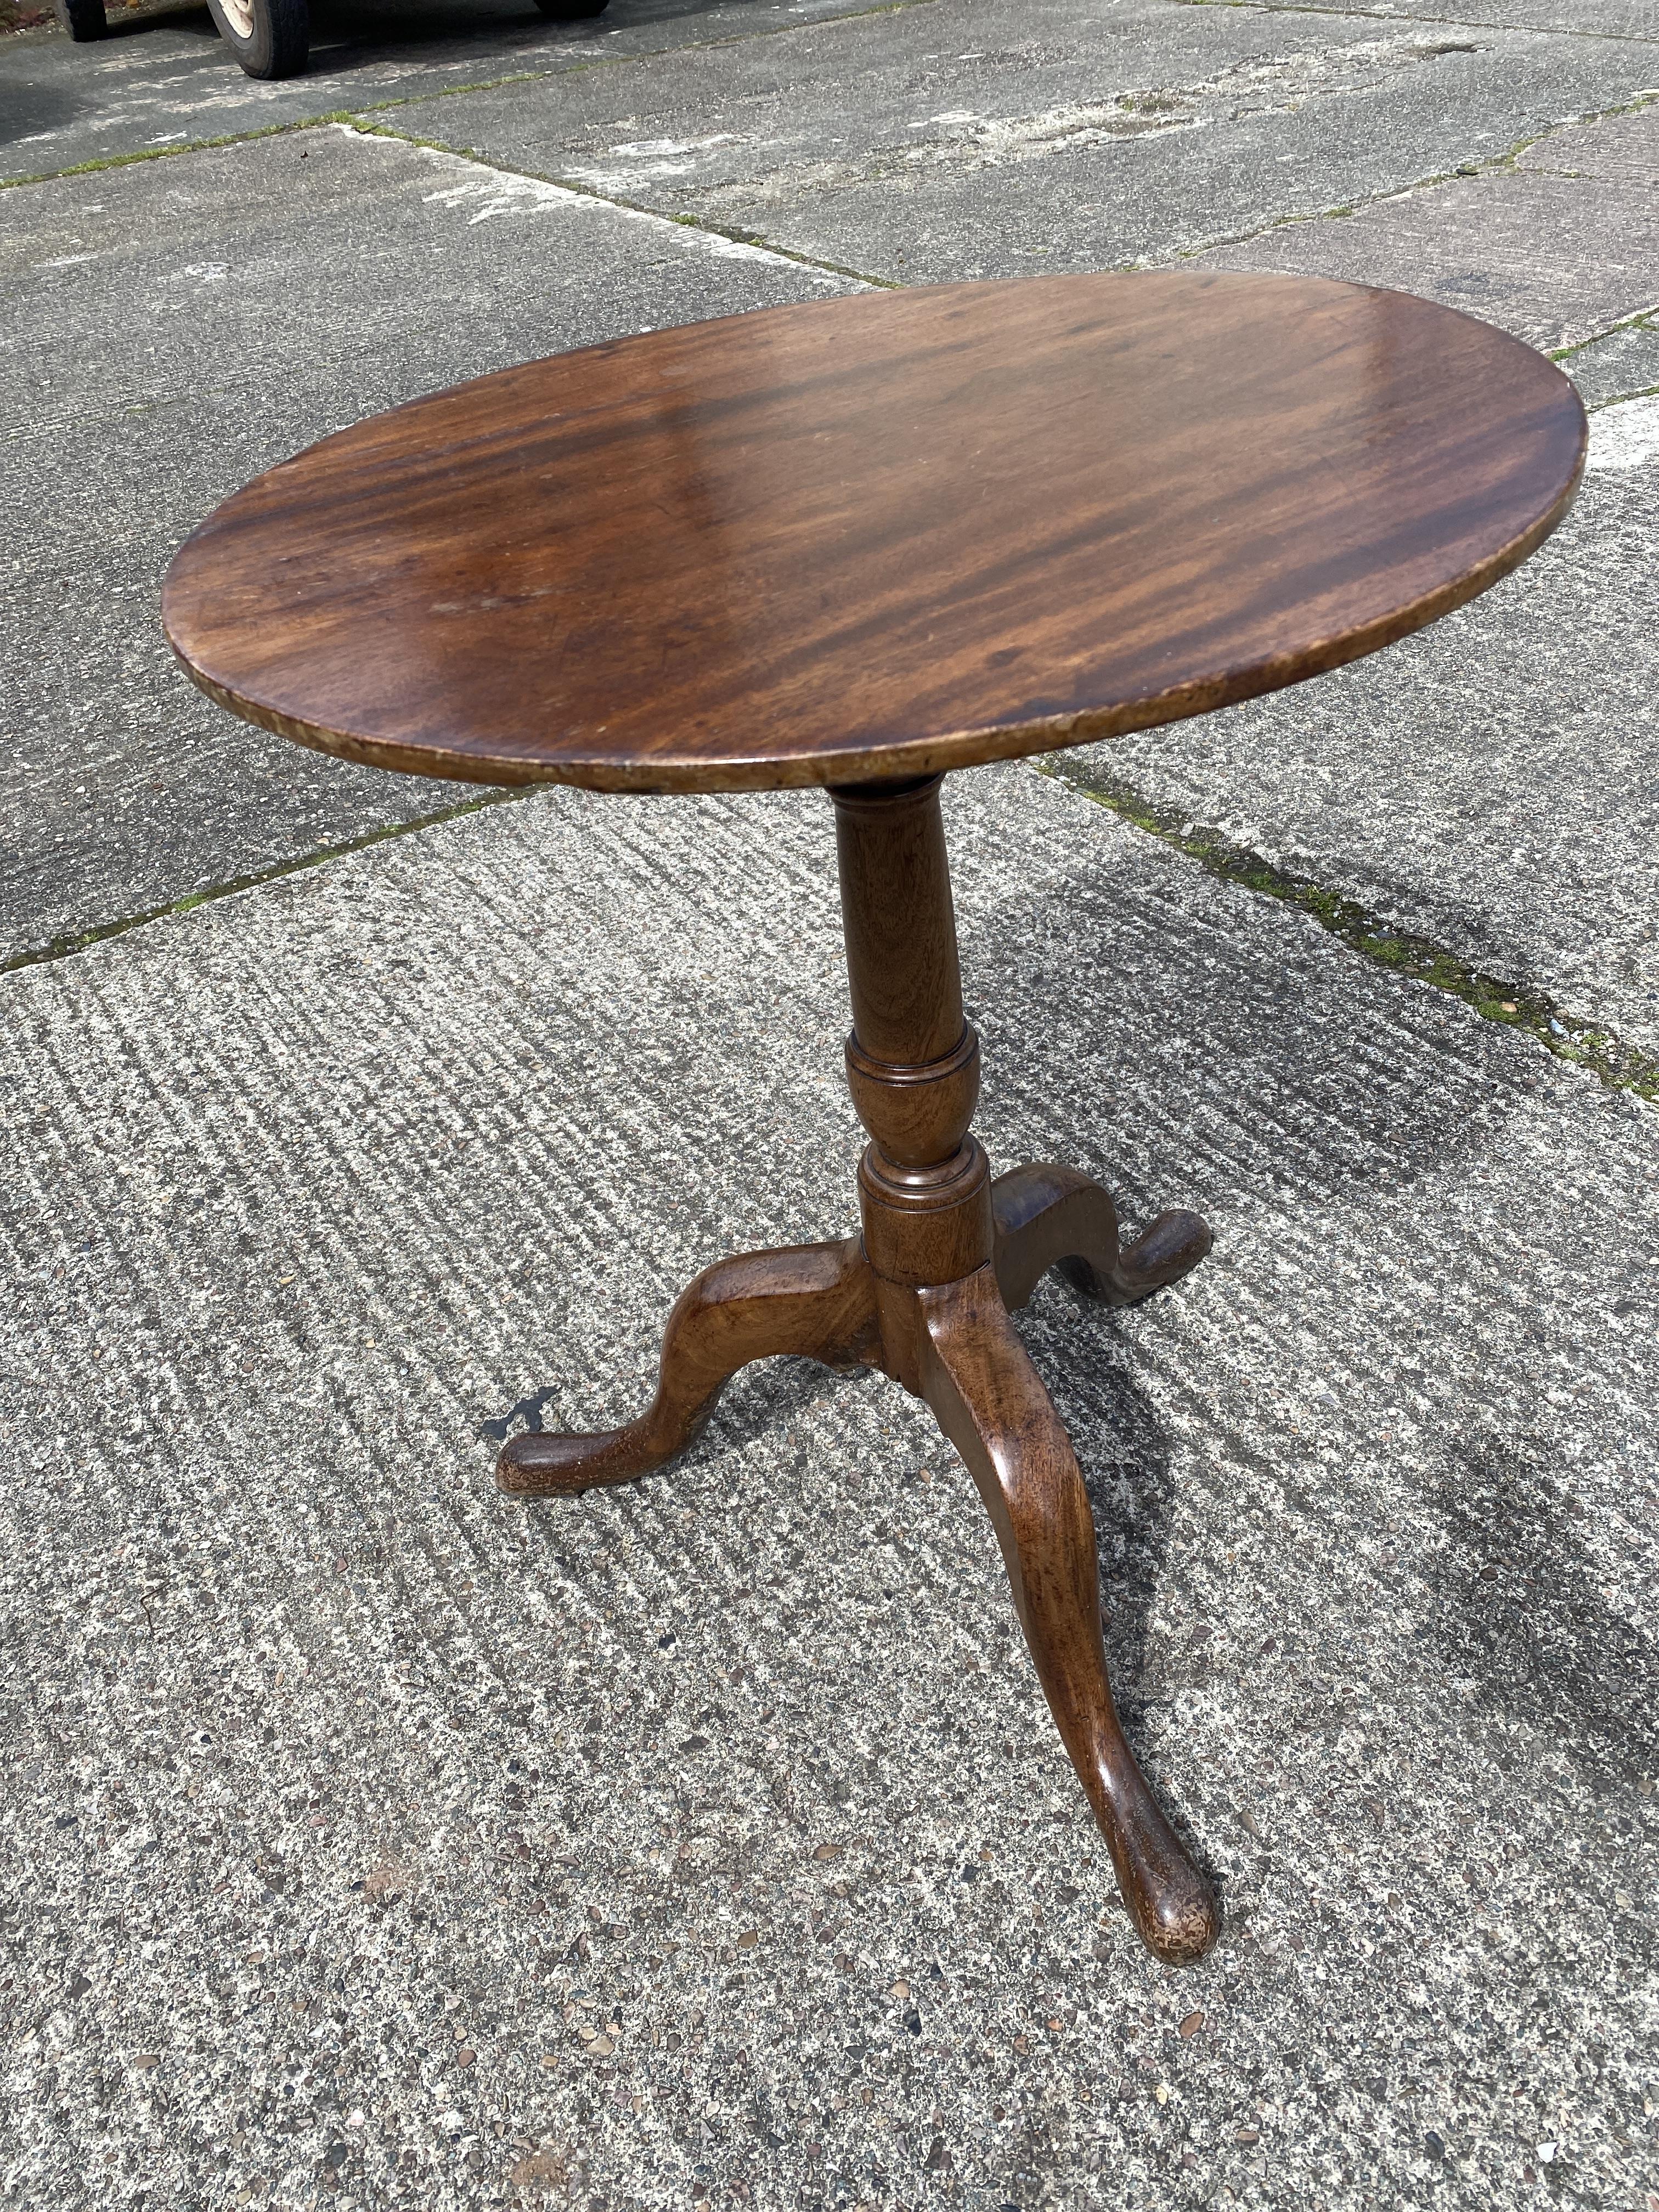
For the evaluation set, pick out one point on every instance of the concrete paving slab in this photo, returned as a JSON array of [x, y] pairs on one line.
[[178, 327], [165, 78], [1493, 783], [373, 1840], [1617, 149], [980, 137], [1556, 249], [1623, 365], [1602, 18]]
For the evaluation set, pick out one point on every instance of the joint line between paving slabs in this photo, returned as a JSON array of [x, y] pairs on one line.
[[1643, 319], [1646, 318], [1428, 22], [171, 153], [1491, 165], [1584, 1045], [1619, 399], [751, 242], [83, 940]]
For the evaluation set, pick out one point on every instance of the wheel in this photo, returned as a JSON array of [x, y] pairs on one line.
[[82, 19], [270, 38], [572, 11]]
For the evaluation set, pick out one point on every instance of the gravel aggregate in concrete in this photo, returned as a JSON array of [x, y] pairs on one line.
[[173, 329], [373, 1840], [992, 138]]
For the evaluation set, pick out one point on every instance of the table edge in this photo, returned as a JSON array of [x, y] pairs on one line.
[[957, 749]]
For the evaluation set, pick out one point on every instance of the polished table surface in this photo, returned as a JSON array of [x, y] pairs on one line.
[[879, 535], [858, 543]]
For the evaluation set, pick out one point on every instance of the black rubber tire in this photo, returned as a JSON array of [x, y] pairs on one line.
[[82, 19], [572, 11], [279, 41]]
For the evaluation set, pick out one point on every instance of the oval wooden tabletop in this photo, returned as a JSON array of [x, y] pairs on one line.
[[880, 535]]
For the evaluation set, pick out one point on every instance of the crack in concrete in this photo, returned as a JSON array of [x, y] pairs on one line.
[[66, 947], [1520, 1006]]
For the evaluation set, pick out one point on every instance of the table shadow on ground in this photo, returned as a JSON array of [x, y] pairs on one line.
[[1518, 1603], [1521, 1610]]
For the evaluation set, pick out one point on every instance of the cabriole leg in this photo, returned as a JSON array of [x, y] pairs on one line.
[[813, 1300], [990, 1402], [1048, 1216]]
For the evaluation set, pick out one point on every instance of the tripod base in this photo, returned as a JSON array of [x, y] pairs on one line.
[[954, 1346]]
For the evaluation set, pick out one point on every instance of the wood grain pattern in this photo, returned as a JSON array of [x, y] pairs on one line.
[[811, 1300], [1054, 1217], [990, 1401], [882, 535]]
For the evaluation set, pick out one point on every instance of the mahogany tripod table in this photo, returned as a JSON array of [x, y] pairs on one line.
[[856, 544]]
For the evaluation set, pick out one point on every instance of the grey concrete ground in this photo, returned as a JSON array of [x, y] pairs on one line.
[[350, 1800], [986, 137], [163, 81], [372, 1840]]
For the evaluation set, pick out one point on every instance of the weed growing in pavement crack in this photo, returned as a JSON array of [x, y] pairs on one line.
[[1514, 1006]]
